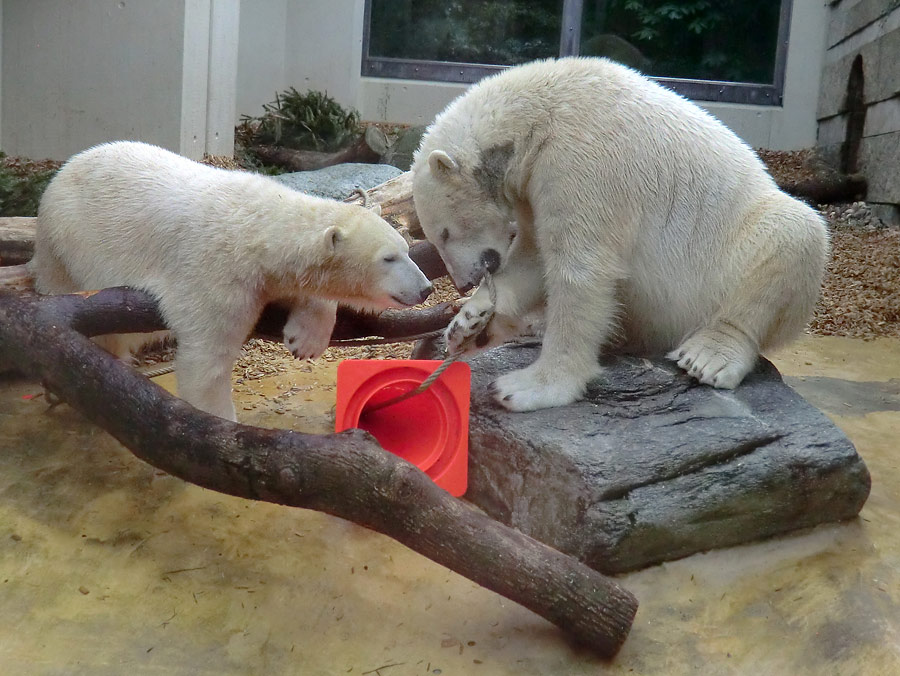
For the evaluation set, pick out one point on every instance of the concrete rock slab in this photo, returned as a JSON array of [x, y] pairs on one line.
[[654, 467], [339, 181]]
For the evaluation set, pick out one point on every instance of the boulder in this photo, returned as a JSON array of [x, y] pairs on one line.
[[653, 466], [339, 181], [400, 153]]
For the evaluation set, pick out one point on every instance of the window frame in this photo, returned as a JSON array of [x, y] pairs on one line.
[[569, 43]]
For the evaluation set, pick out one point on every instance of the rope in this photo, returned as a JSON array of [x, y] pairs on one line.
[[154, 372], [450, 359], [353, 342]]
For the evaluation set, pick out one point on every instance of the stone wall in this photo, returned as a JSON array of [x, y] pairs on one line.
[[859, 99]]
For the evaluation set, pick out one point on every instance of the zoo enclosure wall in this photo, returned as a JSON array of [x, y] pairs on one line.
[[180, 73]]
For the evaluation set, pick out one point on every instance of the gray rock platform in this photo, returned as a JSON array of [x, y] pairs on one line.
[[654, 467], [339, 181]]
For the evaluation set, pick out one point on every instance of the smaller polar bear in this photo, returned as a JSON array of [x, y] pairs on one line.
[[619, 212], [214, 247]]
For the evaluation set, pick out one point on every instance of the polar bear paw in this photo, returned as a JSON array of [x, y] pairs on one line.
[[715, 358], [530, 389], [305, 339], [464, 334]]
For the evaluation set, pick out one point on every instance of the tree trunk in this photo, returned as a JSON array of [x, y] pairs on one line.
[[308, 160], [394, 197], [347, 475], [16, 240], [828, 188], [396, 201]]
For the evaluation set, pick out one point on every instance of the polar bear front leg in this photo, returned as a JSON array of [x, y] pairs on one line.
[[309, 327], [579, 317], [208, 345]]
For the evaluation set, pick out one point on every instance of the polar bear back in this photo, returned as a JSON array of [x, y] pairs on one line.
[[557, 110], [128, 213]]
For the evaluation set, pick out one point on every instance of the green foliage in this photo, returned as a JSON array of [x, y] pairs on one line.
[[722, 40], [466, 31], [310, 121], [21, 187]]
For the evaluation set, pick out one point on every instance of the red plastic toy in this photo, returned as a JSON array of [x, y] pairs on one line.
[[430, 430]]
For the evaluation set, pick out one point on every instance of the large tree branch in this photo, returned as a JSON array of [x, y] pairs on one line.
[[348, 475]]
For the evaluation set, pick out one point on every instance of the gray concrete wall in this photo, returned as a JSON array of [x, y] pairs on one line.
[[870, 30], [323, 50], [82, 72], [77, 73], [179, 73], [261, 54]]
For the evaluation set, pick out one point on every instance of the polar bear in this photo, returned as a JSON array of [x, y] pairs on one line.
[[623, 213], [215, 246]]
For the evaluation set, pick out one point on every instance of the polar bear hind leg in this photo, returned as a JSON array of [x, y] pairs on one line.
[[770, 303], [50, 275]]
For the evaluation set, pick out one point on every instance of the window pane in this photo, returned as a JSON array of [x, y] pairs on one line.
[[496, 32], [731, 40]]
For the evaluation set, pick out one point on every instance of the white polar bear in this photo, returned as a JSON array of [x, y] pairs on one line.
[[622, 211], [214, 247]]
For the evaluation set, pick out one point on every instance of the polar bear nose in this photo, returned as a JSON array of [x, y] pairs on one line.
[[424, 292], [490, 259]]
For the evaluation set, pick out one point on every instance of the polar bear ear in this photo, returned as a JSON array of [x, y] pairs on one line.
[[441, 164], [375, 209], [332, 237]]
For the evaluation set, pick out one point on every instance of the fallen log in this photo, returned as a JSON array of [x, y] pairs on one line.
[[396, 201], [16, 240], [347, 475], [394, 197], [827, 188], [17, 277], [362, 150]]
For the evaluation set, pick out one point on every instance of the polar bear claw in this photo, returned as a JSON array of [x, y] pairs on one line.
[[715, 358]]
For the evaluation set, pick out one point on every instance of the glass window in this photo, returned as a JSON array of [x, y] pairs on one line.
[[497, 32], [715, 50], [728, 40]]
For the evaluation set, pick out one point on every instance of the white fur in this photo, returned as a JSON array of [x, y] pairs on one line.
[[627, 213], [215, 246]]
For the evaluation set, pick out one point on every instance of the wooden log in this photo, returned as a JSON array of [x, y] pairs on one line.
[[423, 254], [396, 201], [828, 188], [16, 277], [394, 197], [347, 475], [309, 160], [16, 240]]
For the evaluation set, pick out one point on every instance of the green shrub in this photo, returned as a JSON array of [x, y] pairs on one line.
[[311, 121], [21, 185]]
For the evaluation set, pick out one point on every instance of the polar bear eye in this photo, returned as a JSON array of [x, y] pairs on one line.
[[445, 235], [390, 259]]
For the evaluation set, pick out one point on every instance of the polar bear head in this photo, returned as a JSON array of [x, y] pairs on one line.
[[464, 211], [366, 264]]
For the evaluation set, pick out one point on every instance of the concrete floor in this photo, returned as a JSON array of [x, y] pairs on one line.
[[108, 566]]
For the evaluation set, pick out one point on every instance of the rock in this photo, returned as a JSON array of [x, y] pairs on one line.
[[654, 467], [340, 180], [400, 154]]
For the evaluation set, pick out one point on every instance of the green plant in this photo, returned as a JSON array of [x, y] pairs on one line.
[[724, 40], [310, 121], [22, 184]]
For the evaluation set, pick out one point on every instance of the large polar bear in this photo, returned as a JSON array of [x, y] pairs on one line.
[[624, 212], [214, 246]]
